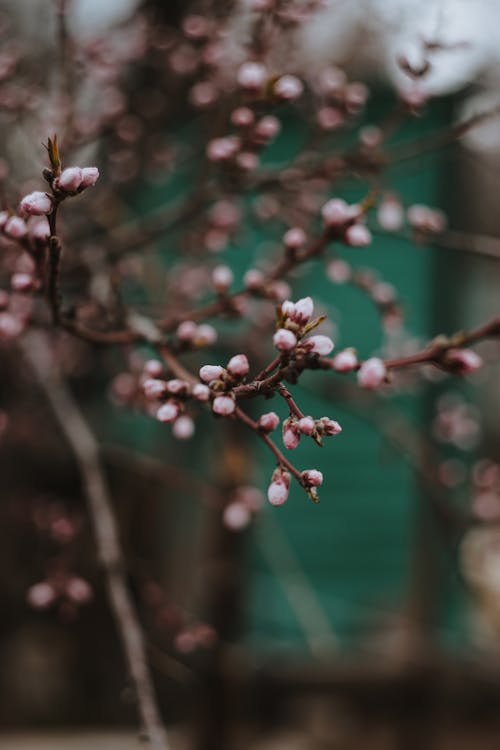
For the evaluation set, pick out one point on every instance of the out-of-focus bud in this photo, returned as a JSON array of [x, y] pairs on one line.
[[372, 373]]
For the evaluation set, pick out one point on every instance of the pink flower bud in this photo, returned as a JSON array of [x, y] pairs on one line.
[[345, 361], [372, 373], [41, 595], [288, 308], [390, 214], [252, 76], [336, 212], [288, 87], [154, 388], [356, 94], [291, 434], [4, 217], [10, 326], [242, 117], [201, 392], [338, 271], [253, 280], [312, 478], [222, 149], [222, 278], [22, 282], [267, 128], [284, 340], [294, 238], [78, 590], [304, 309], [205, 335], [268, 422], [357, 235], [187, 330], [319, 344], [236, 516], [210, 372], [426, 219], [306, 425], [40, 231], [168, 412], [176, 386], [225, 214], [16, 228], [464, 361], [278, 490], [327, 426], [238, 366], [247, 161], [223, 405], [36, 204], [330, 118], [278, 290], [70, 180], [153, 368], [90, 175], [383, 293], [183, 428]]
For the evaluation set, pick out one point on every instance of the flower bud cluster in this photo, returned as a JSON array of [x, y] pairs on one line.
[[294, 427], [346, 223]]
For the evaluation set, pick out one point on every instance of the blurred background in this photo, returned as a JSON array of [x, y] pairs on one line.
[[370, 619]]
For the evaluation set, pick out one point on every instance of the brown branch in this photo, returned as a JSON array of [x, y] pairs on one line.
[[86, 452]]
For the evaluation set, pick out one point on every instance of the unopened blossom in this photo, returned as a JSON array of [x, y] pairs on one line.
[[90, 175], [426, 219], [330, 118], [268, 422], [154, 388], [41, 595], [187, 330], [201, 392], [278, 290], [242, 117], [464, 361], [294, 238], [327, 426], [306, 425], [267, 128], [287, 308], [222, 278], [355, 96], [336, 212], [236, 516], [224, 214], [238, 366], [153, 368], [70, 179], [253, 279], [247, 161], [168, 412], [303, 310], [319, 344], [176, 386], [223, 405], [252, 76], [205, 335], [390, 214], [372, 373], [208, 373], [291, 434], [40, 231], [78, 590], [370, 136], [22, 282], [16, 227], [278, 490], [288, 87], [284, 340], [383, 293], [36, 204], [357, 235], [222, 149], [312, 478], [183, 428], [345, 361], [339, 271]]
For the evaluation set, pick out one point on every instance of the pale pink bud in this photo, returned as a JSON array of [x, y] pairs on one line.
[[36, 204], [153, 368], [312, 478], [284, 340], [372, 373], [90, 175], [291, 434], [242, 117], [40, 231], [154, 388], [288, 308], [370, 136], [383, 293], [238, 366], [294, 238], [356, 94], [224, 214], [288, 87], [304, 309], [168, 412], [16, 228], [338, 271], [205, 335], [306, 425], [201, 392], [336, 212], [327, 426], [210, 372], [266, 128], [247, 161], [319, 344], [425, 218], [330, 118], [332, 80], [345, 361], [70, 179], [464, 361], [22, 282], [252, 75], [41, 595], [10, 326], [236, 516], [390, 214], [187, 330], [222, 149], [222, 278], [278, 490], [268, 422], [183, 428], [357, 235], [176, 386], [78, 590], [253, 280], [223, 405], [279, 290]]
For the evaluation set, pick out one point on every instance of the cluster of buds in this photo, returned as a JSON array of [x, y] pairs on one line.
[[346, 223], [67, 592], [340, 98], [294, 322], [294, 427], [220, 381]]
